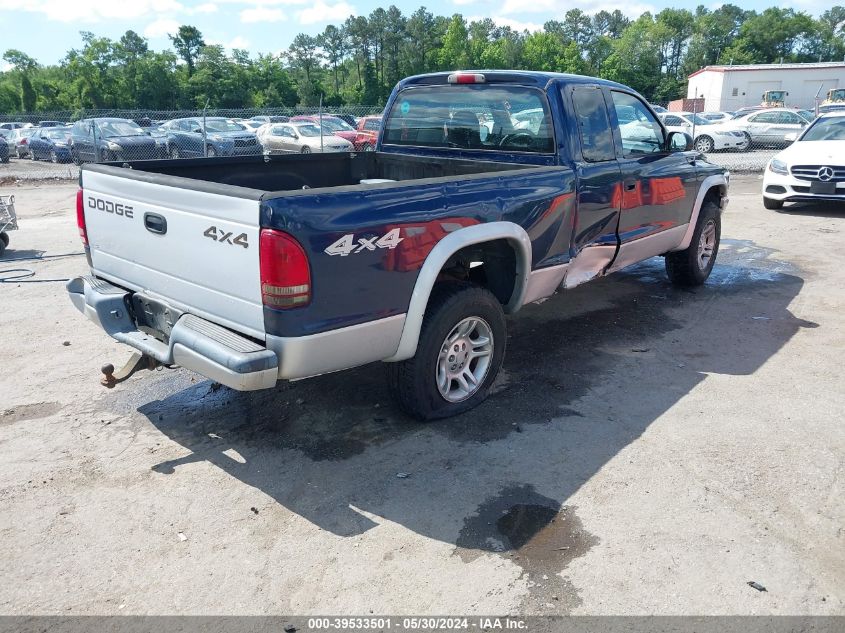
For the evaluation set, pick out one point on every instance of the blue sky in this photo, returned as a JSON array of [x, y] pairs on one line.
[[47, 29]]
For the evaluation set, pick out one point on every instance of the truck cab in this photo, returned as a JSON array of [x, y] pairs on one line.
[[774, 99]]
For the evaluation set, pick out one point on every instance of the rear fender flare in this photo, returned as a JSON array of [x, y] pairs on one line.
[[437, 258]]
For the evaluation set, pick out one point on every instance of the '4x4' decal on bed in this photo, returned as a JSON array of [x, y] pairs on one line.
[[347, 244]]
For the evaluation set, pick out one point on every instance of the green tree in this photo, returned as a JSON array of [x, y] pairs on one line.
[[188, 43], [25, 66], [454, 53]]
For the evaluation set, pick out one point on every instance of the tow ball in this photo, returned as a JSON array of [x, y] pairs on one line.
[[136, 362]]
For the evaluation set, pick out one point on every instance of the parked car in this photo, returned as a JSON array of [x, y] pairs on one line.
[[5, 152], [346, 118], [769, 128], [333, 125], [51, 124], [412, 254], [707, 135], [262, 119], [367, 133], [6, 136], [301, 137], [658, 109], [20, 136], [159, 135], [222, 137], [741, 112], [812, 168], [14, 125], [831, 107], [51, 143], [717, 117], [108, 139]]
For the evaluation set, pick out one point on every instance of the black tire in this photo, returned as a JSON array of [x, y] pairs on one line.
[[747, 146], [54, 158], [174, 152], [368, 148], [210, 152], [704, 144], [306, 150], [772, 204], [686, 268], [414, 381], [32, 155], [4, 242]]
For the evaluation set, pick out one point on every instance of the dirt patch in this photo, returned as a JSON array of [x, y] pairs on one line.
[[21, 412]]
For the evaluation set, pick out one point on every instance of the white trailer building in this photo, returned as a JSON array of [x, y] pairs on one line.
[[733, 87]]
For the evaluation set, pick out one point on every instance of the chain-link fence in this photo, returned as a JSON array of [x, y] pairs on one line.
[[57, 142]]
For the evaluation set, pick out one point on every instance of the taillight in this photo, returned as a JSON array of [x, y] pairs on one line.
[[80, 217], [285, 274]]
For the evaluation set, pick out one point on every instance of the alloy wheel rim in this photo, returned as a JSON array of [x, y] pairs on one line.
[[706, 244], [464, 359]]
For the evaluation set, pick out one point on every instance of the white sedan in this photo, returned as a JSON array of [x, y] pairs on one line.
[[812, 168], [708, 135]]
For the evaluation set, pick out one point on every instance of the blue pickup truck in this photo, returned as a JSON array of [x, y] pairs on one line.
[[488, 190]]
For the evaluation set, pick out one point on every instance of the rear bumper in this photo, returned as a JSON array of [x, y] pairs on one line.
[[194, 343]]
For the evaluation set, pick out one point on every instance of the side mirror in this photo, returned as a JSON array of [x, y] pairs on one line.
[[791, 137], [196, 130], [679, 142]]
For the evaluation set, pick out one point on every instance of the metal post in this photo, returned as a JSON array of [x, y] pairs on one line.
[[321, 123], [204, 133]]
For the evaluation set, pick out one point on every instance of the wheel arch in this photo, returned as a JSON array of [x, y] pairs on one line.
[[444, 252], [713, 188]]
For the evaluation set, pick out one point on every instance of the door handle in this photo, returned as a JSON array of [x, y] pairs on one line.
[[155, 223]]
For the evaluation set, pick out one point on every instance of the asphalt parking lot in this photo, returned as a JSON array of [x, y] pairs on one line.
[[647, 451]]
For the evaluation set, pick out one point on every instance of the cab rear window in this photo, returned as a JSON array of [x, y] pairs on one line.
[[475, 117]]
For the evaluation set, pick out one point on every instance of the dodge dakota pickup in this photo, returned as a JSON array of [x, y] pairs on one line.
[[488, 190]]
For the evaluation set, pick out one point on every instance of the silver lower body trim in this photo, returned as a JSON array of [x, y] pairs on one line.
[[326, 352]]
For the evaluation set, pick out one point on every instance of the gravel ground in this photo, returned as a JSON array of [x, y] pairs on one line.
[[26, 169], [647, 451]]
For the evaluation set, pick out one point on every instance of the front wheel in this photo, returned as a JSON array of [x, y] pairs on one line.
[[460, 350], [772, 204], [210, 152], [4, 242], [306, 150], [691, 267], [704, 144], [746, 142], [54, 158]]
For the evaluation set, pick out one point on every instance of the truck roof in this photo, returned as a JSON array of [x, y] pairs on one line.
[[525, 77]]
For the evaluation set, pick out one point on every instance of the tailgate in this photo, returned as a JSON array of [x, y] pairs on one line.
[[192, 244]]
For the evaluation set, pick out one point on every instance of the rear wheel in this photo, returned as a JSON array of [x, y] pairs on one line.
[[4, 242], [174, 152], [210, 152], [691, 267], [306, 150], [772, 204], [461, 348], [368, 148], [746, 143], [54, 158]]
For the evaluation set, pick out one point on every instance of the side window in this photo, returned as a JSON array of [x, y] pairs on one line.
[[278, 130], [372, 124], [766, 117], [789, 117], [673, 120], [593, 125], [642, 134]]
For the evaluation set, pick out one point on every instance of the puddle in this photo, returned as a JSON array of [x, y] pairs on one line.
[[22, 412], [534, 532]]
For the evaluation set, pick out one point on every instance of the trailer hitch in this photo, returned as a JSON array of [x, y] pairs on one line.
[[136, 362]]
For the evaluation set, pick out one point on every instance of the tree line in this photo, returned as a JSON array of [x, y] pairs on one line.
[[360, 60]]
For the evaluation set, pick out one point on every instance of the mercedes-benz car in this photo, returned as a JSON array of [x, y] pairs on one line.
[[812, 168]]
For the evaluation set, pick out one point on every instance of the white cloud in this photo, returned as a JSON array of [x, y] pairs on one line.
[[462, 3], [238, 41], [262, 14], [516, 25], [321, 12], [5, 66], [560, 7], [93, 10], [208, 7], [161, 28]]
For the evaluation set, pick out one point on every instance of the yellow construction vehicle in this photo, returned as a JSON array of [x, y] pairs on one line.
[[835, 95], [774, 98]]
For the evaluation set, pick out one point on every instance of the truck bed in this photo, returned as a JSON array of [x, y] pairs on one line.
[[268, 175]]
